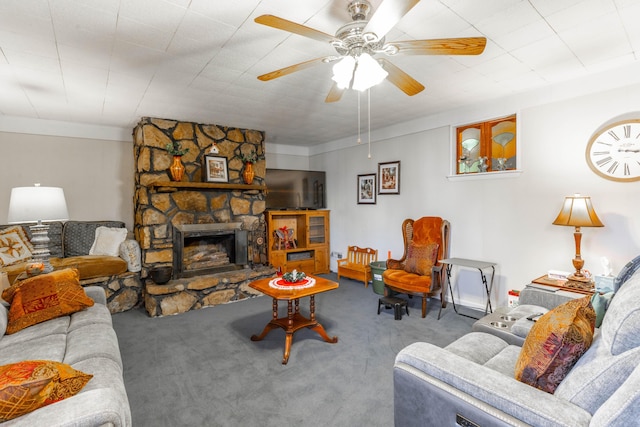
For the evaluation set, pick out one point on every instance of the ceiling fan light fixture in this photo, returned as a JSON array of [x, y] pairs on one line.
[[343, 72], [368, 73]]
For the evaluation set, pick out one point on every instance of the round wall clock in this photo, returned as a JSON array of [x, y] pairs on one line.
[[614, 151]]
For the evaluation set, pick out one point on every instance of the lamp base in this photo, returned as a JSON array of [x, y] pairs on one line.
[[575, 278], [40, 241]]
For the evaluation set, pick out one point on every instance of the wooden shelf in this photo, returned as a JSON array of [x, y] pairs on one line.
[[167, 186]]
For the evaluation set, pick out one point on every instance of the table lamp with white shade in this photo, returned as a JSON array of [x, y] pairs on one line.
[[38, 204]]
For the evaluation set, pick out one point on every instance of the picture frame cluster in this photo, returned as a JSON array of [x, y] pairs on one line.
[[386, 181]]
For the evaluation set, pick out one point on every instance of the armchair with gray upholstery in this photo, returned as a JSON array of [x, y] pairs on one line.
[[471, 382]]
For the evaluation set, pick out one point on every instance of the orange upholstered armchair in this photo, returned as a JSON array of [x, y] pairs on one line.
[[418, 272]]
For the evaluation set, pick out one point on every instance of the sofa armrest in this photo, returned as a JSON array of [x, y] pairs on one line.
[[544, 298], [96, 293], [420, 363]]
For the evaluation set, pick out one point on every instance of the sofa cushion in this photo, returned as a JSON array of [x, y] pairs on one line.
[[108, 241], [28, 385], [80, 235], [45, 297], [421, 258], [555, 343], [621, 323], [92, 266], [597, 375], [14, 246]]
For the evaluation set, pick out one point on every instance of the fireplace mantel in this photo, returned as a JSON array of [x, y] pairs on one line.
[[170, 186]]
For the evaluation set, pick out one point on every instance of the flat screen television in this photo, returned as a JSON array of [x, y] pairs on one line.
[[295, 189]]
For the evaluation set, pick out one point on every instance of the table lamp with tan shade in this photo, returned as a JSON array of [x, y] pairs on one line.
[[577, 211]]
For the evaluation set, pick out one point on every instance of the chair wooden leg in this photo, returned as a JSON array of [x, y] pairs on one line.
[[424, 305]]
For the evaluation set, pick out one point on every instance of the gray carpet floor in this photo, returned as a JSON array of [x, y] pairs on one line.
[[201, 369]]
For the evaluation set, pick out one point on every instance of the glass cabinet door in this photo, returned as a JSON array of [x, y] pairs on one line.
[[316, 229]]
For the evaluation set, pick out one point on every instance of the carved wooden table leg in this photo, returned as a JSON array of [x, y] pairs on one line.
[[294, 319]]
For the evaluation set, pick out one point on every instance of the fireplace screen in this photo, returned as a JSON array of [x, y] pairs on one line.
[[208, 248]]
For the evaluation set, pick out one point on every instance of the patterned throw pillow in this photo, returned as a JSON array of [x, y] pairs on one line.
[[14, 246], [421, 258], [555, 343], [31, 384], [44, 297]]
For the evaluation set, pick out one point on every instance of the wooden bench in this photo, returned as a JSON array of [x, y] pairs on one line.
[[356, 264]]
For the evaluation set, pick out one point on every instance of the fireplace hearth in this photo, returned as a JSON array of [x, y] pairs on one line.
[[208, 248]]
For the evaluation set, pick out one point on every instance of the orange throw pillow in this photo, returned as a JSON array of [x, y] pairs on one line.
[[45, 297], [31, 384], [421, 258], [555, 343]]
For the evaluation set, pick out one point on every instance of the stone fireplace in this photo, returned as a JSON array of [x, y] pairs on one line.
[[212, 234]]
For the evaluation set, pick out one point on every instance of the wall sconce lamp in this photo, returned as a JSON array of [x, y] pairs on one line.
[[577, 211], [37, 204]]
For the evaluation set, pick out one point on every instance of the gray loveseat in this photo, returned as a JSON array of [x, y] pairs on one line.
[[69, 245], [471, 381], [86, 341]]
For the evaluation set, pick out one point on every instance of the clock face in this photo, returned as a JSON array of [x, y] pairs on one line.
[[614, 151]]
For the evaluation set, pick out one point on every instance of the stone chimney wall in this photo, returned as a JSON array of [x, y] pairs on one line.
[[159, 207]]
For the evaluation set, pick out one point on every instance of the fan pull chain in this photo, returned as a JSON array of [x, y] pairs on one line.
[[369, 119], [359, 140]]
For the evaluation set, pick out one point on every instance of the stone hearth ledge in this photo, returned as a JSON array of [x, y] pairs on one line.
[[192, 293]]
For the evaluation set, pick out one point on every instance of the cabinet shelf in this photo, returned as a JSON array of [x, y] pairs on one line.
[[169, 186]]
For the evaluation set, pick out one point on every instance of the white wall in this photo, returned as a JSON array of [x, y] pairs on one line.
[[508, 221], [96, 175]]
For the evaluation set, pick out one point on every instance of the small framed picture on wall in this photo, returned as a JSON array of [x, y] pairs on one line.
[[389, 177], [367, 189], [215, 169]]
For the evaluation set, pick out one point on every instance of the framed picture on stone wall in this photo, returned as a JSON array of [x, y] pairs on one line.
[[215, 169]]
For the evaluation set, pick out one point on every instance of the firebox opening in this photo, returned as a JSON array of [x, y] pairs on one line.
[[208, 248]]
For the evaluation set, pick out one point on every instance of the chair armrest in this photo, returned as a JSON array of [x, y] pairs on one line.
[[342, 261], [535, 407]]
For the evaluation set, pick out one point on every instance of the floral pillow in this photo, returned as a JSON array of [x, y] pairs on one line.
[[421, 258], [15, 246], [555, 343]]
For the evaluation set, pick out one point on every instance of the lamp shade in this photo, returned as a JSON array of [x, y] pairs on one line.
[[577, 211], [368, 73], [33, 204]]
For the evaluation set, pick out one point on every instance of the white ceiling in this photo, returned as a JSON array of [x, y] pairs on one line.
[[110, 62]]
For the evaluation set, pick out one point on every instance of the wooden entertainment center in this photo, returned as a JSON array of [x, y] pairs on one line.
[[309, 249]]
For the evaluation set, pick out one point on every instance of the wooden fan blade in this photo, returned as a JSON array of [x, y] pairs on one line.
[[402, 80], [335, 93], [291, 69], [292, 27], [388, 14], [459, 46]]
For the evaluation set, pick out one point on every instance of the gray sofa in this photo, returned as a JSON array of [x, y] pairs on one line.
[[86, 341], [471, 381], [69, 245]]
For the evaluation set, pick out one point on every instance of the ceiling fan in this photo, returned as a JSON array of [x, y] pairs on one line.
[[358, 41]]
